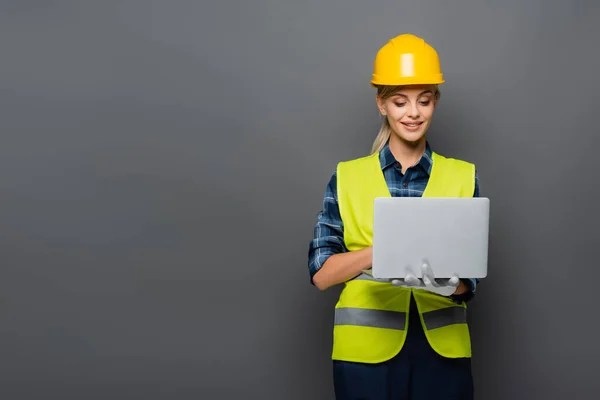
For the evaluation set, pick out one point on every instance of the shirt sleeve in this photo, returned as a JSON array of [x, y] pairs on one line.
[[328, 237], [471, 283]]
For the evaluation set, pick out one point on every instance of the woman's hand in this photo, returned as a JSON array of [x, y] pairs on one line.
[[444, 287]]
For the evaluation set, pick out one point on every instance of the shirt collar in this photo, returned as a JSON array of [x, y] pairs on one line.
[[386, 158]]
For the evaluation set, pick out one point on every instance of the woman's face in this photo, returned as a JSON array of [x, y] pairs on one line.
[[409, 111]]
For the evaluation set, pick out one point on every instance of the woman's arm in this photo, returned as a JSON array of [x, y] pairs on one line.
[[329, 261], [341, 267]]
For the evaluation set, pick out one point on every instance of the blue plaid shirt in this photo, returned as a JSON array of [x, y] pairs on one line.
[[329, 230]]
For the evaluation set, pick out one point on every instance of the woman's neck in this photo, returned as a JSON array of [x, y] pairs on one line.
[[407, 153]]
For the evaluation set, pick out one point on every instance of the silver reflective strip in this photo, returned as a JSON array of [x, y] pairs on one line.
[[444, 317], [371, 318]]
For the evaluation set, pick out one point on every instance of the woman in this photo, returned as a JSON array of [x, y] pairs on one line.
[[406, 339]]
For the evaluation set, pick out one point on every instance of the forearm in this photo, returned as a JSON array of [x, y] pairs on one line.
[[341, 267]]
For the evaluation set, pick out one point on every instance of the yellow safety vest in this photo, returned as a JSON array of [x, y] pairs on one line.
[[371, 317]]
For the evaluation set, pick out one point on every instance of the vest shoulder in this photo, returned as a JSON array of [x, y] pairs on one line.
[[359, 161], [457, 162]]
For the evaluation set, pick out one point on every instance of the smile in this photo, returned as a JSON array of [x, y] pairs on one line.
[[412, 127]]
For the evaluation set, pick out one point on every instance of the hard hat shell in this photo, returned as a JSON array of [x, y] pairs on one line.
[[407, 60]]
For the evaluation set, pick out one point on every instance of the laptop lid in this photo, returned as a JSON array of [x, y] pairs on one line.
[[451, 234]]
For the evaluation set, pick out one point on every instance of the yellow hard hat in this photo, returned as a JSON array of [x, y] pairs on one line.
[[407, 60]]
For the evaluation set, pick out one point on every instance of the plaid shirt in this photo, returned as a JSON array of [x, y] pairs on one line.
[[329, 230]]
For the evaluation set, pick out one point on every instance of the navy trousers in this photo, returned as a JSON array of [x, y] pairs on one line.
[[416, 373]]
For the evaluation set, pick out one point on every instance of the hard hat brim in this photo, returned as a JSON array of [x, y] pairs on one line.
[[437, 80]]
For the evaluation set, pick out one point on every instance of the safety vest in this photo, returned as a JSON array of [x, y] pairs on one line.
[[371, 317]]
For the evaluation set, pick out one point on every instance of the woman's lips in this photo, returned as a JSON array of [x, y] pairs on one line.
[[412, 126]]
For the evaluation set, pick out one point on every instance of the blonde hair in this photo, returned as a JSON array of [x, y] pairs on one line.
[[385, 92]]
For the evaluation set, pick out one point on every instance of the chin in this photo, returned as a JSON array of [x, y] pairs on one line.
[[411, 137]]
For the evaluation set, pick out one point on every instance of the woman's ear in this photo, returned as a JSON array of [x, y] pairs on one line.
[[380, 105], [436, 98]]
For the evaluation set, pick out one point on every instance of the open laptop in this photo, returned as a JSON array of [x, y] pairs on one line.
[[450, 234]]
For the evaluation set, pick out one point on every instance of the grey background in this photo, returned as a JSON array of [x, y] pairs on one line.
[[162, 164]]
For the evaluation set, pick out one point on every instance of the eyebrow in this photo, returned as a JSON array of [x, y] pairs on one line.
[[420, 94]]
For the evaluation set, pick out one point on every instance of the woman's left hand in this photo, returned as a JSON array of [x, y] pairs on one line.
[[445, 287]]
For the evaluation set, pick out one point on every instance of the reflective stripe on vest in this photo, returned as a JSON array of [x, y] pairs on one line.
[[373, 318], [396, 320], [445, 317]]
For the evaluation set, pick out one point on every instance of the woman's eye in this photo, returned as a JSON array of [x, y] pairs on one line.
[[400, 104], [425, 103]]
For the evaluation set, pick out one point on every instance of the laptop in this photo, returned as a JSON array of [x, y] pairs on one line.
[[450, 234]]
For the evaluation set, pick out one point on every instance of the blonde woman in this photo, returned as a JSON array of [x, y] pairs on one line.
[[407, 339]]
